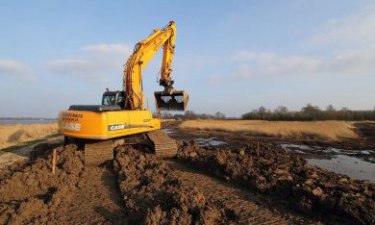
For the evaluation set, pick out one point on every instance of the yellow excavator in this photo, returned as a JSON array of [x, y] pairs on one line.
[[97, 128]]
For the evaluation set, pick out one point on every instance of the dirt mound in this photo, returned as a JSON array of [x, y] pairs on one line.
[[153, 194], [32, 194], [277, 172]]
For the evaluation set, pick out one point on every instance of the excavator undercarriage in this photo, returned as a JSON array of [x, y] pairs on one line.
[[98, 152]]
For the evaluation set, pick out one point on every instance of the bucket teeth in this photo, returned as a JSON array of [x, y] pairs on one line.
[[173, 101]]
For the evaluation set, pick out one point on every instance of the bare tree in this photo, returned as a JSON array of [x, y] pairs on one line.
[[309, 108], [219, 115], [281, 109], [190, 115], [262, 110], [330, 108]]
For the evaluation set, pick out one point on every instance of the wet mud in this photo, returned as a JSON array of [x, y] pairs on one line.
[[280, 173], [154, 194], [30, 194], [227, 179]]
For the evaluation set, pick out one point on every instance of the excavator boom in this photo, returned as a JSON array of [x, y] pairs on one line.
[[144, 51]]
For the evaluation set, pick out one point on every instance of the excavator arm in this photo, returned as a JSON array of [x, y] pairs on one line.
[[144, 51]]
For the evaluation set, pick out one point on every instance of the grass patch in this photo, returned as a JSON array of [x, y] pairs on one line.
[[15, 134], [331, 130]]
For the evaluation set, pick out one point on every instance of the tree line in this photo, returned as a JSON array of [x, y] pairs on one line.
[[310, 112], [190, 115], [307, 113]]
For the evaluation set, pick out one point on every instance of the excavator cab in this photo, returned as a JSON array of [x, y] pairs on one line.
[[113, 98], [172, 101]]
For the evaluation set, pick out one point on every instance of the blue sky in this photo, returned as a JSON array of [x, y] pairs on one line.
[[231, 56]]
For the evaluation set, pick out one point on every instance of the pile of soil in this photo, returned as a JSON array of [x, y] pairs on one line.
[[30, 194], [270, 170], [153, 194]]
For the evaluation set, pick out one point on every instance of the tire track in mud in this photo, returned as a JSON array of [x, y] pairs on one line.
[[97, 200], [250, 208]]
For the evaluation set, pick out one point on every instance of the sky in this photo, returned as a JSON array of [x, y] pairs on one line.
[[231, 56]]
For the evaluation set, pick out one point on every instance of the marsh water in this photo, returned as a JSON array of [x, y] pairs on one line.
[[358, 164]]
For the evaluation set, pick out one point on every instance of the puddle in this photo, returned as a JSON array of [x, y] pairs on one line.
[[295, 146], [324, 151], [212, 141], [366, 152], [168, 130], [359, 164], [347, 165]]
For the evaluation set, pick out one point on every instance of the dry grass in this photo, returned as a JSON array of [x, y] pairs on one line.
[[331, 130], [15, 134]]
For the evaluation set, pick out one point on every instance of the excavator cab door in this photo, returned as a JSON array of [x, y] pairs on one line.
[[173, 101]]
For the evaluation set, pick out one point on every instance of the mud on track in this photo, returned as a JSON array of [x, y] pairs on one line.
[[96, 200]]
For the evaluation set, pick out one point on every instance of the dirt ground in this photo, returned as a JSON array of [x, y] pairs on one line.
[[242, 183], [280, 174]]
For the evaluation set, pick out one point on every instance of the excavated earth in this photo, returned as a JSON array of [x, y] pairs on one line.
[[154, 194], [275, 172], [30, 194], [203, 185]]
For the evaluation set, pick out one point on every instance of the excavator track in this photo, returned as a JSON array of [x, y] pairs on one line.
[[163, 145], [98, 152]]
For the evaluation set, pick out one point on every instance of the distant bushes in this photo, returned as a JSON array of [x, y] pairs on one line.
[[309, 113], [190, 115]]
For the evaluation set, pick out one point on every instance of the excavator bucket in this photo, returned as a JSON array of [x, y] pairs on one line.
[[174, 101]]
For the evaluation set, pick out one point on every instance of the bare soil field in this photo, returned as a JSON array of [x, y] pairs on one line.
[[247, 180]]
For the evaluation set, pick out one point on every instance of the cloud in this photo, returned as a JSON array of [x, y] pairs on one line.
[[354, 62], [98, 62], [86, 69], [357, 30], [346, 62], [250, 63], [108, 49], [15, 69], [346, 46], [244, 71]]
